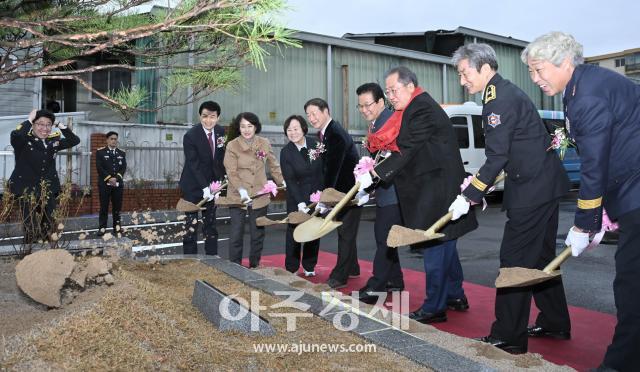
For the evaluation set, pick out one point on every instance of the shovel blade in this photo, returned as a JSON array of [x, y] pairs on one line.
[[186, 206], [400, 235], [511, 277], [314, 228], [296, 218], [264, 221]]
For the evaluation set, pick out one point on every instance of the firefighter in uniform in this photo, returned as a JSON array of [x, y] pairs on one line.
[[518, 143], [602, 110], [35, 148], [111, 163]]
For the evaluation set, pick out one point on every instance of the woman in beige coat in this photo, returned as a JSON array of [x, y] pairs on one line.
[[245, 161]]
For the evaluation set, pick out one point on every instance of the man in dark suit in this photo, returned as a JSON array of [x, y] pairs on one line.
[[35, 148], [427, 172], [111, 163], [338, 162], [387, 273], [603, 117], [517, 141], [203, 156], [303, 177]]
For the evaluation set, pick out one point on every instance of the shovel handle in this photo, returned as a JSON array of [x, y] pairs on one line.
[[347, 198], [562, 257], [203, 201], [439, 224]]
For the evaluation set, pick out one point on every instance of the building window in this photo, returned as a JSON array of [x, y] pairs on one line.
[[619, 62], [111, 80]]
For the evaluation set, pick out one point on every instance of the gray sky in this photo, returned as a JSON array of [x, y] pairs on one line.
[[602, 26]]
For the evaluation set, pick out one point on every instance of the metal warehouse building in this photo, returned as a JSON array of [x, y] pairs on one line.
[[332, 68]]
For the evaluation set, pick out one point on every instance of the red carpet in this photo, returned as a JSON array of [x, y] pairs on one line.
[[591, 330]]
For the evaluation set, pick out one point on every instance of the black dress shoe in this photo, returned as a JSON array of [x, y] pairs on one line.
[[392, 287], [336, 284], [370, 296], [537, 331], [426, 318], [458, 304], [509, 348]]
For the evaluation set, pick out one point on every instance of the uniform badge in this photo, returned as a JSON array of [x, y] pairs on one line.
[[490, 94], [493, 120], [56, 143]]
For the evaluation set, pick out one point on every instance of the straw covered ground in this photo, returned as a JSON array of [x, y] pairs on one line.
[[145, 321]]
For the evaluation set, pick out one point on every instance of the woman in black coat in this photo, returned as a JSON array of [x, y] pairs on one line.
[[303, 174]]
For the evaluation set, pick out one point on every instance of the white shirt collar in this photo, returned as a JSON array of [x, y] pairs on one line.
[[324, 128], [303, 145]]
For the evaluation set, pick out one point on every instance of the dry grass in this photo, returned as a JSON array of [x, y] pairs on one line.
[[146, 322]]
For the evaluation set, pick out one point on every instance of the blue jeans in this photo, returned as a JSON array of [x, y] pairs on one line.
[[443, 274]]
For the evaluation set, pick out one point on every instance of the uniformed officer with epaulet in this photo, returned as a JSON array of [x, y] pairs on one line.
[[111, 163], [602, 109], [517, 142], [35, 147]]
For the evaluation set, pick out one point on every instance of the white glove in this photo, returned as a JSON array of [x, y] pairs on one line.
[[244, 196], [32, 115], [459, 207], [365, 181], [321, 207], [61, 125], [362, 197], [578, 241], [206, 194], [284, 184], [302, 207]]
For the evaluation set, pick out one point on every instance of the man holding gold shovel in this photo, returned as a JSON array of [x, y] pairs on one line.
[[426, 168], [602, 112], [517, 142], [203, 147]]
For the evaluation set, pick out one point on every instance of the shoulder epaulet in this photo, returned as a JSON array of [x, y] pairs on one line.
[[53, 135], [19, 126], [101, 148], [119, 149], [490, 94]]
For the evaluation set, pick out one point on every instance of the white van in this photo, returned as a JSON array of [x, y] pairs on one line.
[[467, 122]]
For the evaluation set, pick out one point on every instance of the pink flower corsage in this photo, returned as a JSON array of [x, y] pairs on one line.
[[261, 155], [315, 197], [220, 141], [215, 186], [269, 188], [365, 165], [315, 153]]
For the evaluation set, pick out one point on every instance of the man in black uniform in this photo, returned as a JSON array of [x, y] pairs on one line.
[[111, 163], [35, 148], [517, 141]]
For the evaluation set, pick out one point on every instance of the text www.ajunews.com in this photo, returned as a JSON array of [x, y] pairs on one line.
[[300, 348]]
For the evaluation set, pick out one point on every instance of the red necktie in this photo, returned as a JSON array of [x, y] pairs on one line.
[[213, 150], [321, 136]]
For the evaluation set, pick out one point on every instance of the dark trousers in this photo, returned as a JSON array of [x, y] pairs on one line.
[[529, 241], [443, 273], [236, 236], [309, 252], [347, 262], [386, 263], [190, 239], [113, 195], [36, 221], [624, 352]]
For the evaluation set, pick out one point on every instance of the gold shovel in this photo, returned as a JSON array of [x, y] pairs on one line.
[[317, 227], [295, 218], [522, 277], [400, 235], [237, 202], [187, 206]]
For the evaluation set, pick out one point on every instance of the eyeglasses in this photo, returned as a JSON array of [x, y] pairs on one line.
[[365, 106], [43, 125], [393, 91], [313, 113]]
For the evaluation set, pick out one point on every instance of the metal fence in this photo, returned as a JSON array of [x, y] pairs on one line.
[[149, 165]]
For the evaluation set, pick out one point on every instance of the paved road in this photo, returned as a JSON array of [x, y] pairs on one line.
[[588, 279]]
